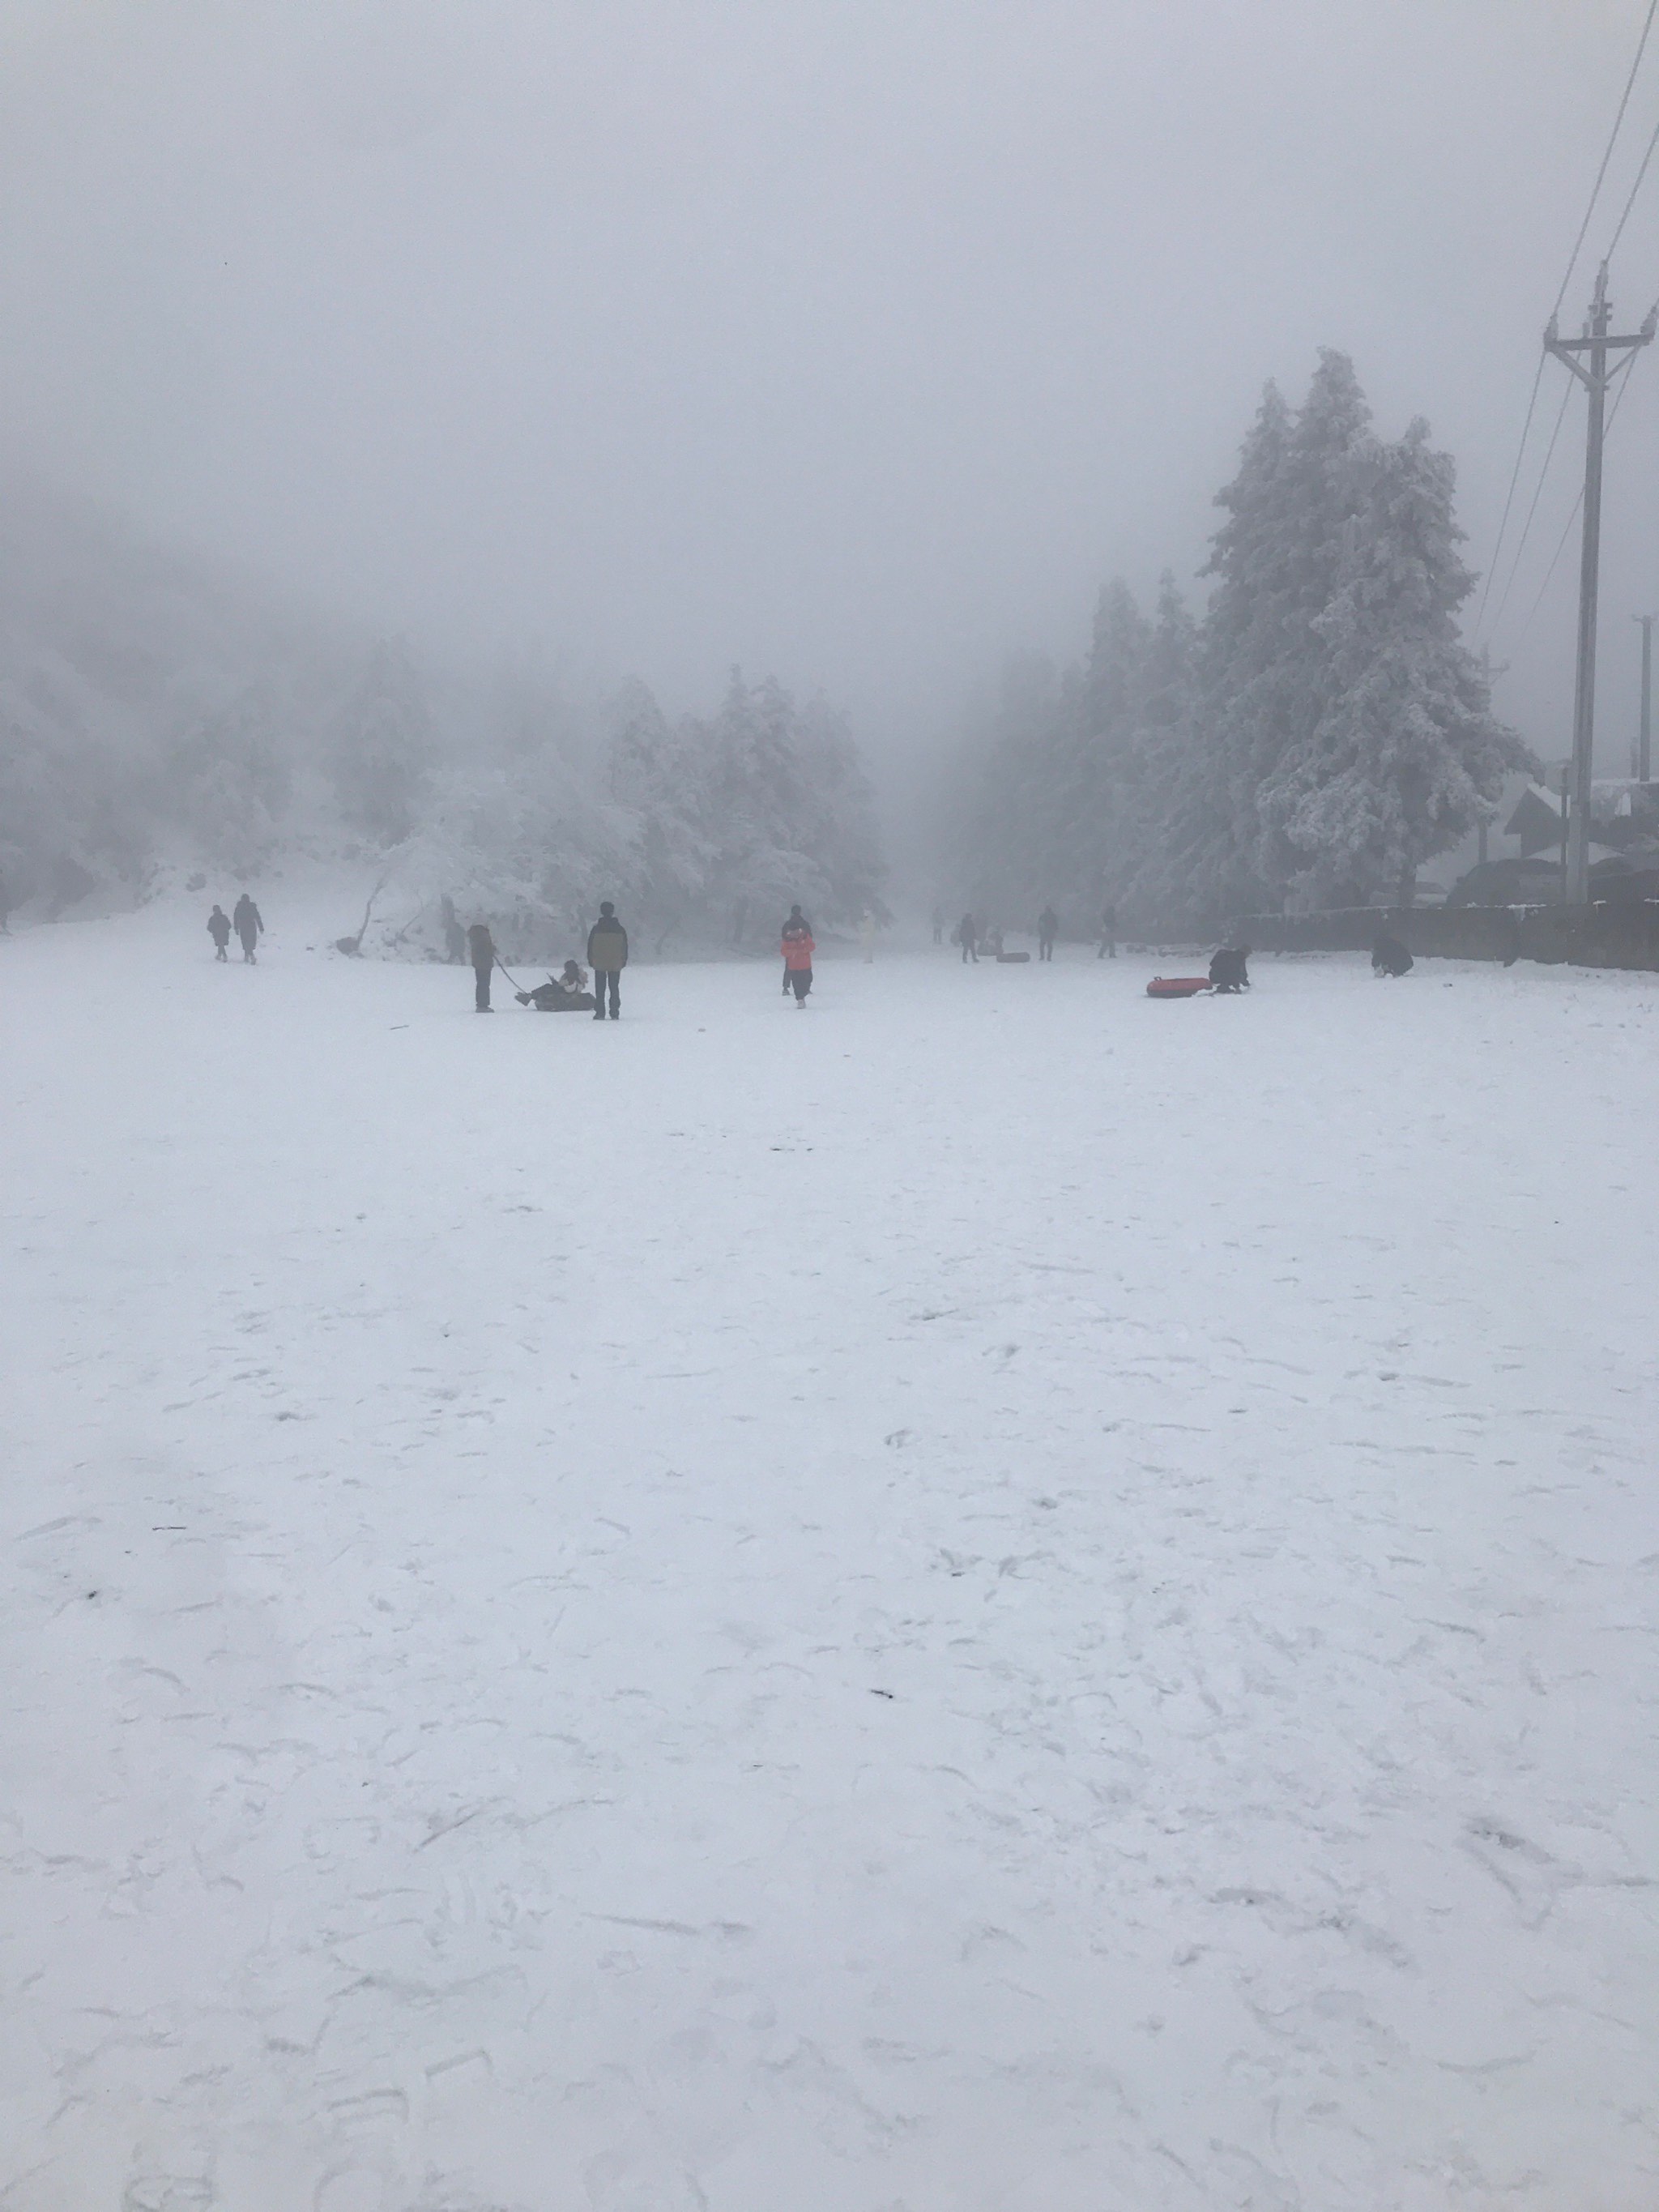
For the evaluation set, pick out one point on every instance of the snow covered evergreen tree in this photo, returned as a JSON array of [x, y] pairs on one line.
[[1405, 756], [231, 781], [383, 744], [1277, 559], [660, 785], [1171, 823], [1097, 799]]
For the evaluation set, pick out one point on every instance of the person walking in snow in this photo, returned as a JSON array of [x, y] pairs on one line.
[[797, 926], [1108, 934], [967, 937], [480, 951], [607, 956], [1048, 930], [249, 925], [219, 930], [867, 936], [939, 923], [796, 956]]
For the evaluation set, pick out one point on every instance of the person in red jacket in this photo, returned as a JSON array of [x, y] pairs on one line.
[[798, 956]]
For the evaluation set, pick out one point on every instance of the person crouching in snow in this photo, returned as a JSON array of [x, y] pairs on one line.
[[798, 958]]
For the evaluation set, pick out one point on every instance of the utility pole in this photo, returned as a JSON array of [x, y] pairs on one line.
[[1644, 753], [1593, 375]]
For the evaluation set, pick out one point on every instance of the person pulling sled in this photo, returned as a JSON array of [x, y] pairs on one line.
[[480, 951]]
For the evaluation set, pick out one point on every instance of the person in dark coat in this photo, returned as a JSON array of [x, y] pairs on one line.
[[967, 938], [607, 956], [219, 930], [1389, 957], [249, 925], [1227, 968], [480, 951], [1048, 930]]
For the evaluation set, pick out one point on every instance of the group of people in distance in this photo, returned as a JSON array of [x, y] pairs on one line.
[[567, 993], [245, 919], [975, 936]]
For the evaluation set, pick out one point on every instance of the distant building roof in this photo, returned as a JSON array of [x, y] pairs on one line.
[[1536, 821]]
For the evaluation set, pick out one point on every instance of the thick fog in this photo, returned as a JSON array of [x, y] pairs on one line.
[[854, 342]]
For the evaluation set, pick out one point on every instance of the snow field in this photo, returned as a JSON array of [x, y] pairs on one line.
[[993, 1598]]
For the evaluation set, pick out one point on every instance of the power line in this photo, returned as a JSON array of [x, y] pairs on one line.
[[1600, 175], [1538, 493], [1634, 189], [1578, 505], [1572, 262], [1508, 497]]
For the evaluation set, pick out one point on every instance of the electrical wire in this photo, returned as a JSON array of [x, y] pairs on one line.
[[1572, 263], [1578, 505], [1508, 497], [1538, 493], [1634, 189], [1600, 175]]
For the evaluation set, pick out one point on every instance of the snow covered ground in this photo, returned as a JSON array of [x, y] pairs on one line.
[[993, 1595]]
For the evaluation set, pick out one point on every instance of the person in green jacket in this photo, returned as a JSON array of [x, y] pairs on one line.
[[607, 956]]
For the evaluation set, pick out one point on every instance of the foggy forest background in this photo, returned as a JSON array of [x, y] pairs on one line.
[[1302, 725]]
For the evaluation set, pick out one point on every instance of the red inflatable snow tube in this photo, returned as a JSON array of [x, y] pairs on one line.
[[1176, 987]]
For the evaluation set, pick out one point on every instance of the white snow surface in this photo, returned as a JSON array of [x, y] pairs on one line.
[[996, 1595]]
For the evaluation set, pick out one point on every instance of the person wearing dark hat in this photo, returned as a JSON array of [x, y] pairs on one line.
[[607, 956], [796, 956], [480, 951], [797, 927]]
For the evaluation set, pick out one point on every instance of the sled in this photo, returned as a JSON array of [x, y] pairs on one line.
[[1176, 987], [1012, 959]]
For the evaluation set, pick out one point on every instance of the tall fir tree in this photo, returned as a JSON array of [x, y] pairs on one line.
[[383, 746], [1405, 756]]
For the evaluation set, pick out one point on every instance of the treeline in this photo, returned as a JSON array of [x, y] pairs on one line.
[[154, 720], [700, 826], [1310, 739]]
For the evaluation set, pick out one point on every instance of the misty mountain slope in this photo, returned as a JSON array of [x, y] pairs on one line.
[[993, 1597], [151, 704], [157, 719]]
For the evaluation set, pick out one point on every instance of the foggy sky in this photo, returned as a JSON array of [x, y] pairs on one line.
[[850, 339]]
